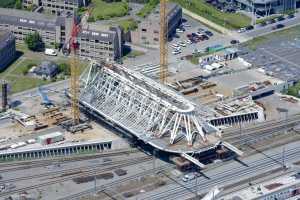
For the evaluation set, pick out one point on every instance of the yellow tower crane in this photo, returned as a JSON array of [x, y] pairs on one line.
[[163, 36], [74, 80]]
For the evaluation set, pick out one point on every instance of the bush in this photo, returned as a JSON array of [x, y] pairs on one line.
[[7, 3], [27, 68], [65, 69], [147, 9], [91, 19], [34, 42], [18, 4]]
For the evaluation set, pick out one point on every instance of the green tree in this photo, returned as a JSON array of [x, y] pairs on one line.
[[65, 69], [7, 3], [34, 42], [18, 4]]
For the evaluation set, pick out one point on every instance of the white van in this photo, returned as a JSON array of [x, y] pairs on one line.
[[50, 52]]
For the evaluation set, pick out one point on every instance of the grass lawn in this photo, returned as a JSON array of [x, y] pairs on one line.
[[252, 44], [102, 10], [134, 53], [19, 82], [294, 90], [228, 20], [148, 7], [127, 24]]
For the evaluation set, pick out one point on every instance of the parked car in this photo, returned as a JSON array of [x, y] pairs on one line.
[[205, 37], [209, 33], [248, 28], [178, 48], [277, 26], [270, 21], [50, 52], [242, 30], [175, 52], [178, 30], [188, 177], [181, 44], [186, 25], [234, 42], [290, 16], [201, 30], [281, 18], [188, 42], [263, 24]]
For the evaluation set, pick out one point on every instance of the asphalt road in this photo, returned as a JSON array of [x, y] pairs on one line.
[[260, 31]]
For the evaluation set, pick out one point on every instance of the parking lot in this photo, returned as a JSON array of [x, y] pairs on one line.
[[151, 56], [201, 45], [278, 55]]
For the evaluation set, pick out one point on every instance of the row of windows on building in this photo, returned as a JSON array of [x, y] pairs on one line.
[[155, 31], [58, 7], [65, 2], [154, 39]]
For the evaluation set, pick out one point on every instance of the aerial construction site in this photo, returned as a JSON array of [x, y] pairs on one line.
[[99, 105]]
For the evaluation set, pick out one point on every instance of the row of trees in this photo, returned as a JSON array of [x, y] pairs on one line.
[[11, 4], [34, 42]]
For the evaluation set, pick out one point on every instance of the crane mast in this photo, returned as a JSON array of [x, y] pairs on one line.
[[74, 80], [163, 35]]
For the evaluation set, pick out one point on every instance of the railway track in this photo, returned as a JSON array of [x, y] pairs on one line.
[[220, 179], [74, 173], [70, 171], [263, 126], [115, 183], [260, 133], [21, 165]]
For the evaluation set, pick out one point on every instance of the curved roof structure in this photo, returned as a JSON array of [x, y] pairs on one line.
[[145, 108]]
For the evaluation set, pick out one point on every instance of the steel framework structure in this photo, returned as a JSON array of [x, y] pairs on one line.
[[140, 105]]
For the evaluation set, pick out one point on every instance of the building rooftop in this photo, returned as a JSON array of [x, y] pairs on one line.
[[172, 9], [47, 68], [101, 32], [267, 188], [26, 18], [5, 36]]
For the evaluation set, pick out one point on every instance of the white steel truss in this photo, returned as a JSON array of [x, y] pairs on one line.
[[139, 104]]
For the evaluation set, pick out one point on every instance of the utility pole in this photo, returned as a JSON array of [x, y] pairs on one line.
[[154, 154], [283, 157], [95, 185], [285, 111]]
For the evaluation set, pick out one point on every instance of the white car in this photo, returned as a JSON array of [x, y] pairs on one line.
[[188, 42], [199, 33], [181, 44], [175, 45], [188, 177], [242, 30], [186, 25], [50, 52], [177, 48], [178, 30]]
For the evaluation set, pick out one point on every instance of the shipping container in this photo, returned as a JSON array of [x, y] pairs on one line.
[[50, 138]]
